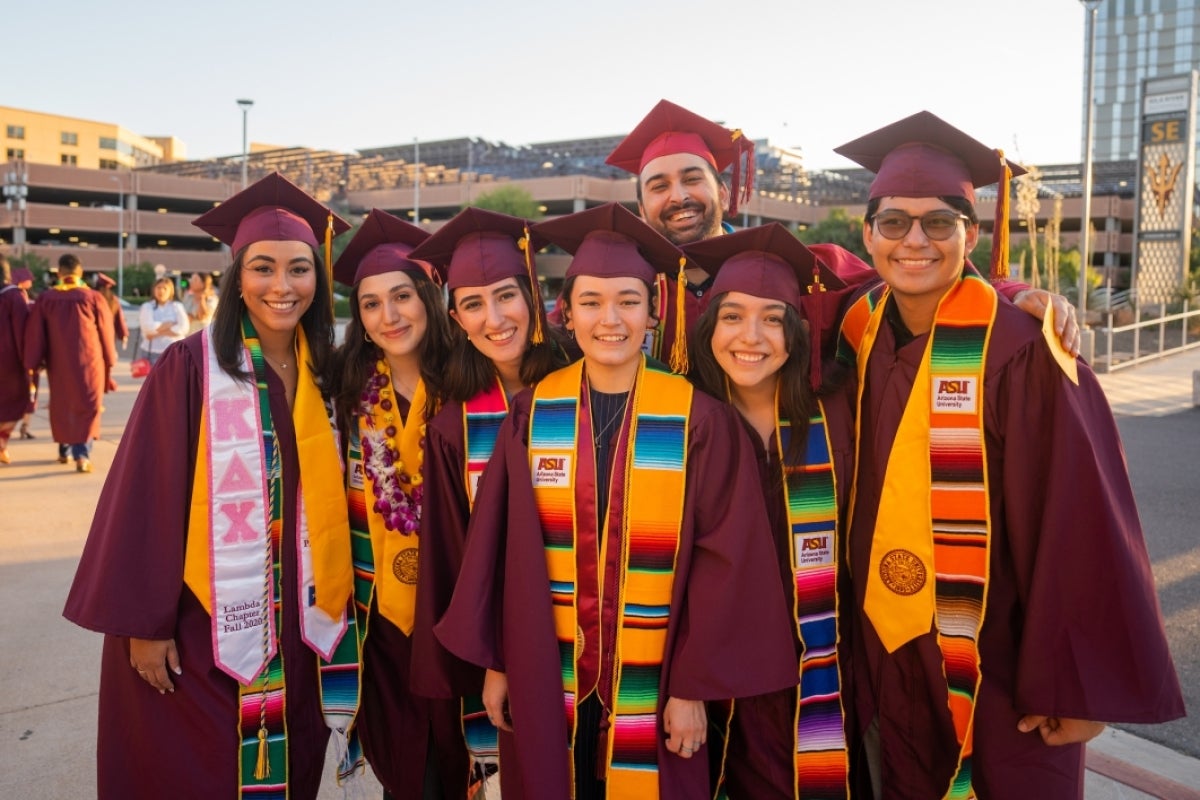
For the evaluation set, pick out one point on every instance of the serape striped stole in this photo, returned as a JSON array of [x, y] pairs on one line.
[[933, 514], [482, 416], [653, 477], [810, 488]]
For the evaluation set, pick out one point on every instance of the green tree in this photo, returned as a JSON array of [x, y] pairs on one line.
[[838, 228], [35, 264], [508, 199], [981, 256]]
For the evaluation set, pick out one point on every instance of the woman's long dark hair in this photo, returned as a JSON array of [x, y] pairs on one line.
[[469, 372], [357, 357], [796, 397], [226, 328]]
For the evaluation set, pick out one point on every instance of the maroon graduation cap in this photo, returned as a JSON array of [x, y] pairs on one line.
[[382, 244], [669, 129]]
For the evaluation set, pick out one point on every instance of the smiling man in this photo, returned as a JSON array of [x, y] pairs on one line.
[[678, 157], [1003, 606]]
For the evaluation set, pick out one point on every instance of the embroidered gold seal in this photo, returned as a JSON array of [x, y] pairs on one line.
[[404, 566], [579, 641], [902, 572]]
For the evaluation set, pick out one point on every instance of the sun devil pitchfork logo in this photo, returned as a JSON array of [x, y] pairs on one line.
[[1162, 181]]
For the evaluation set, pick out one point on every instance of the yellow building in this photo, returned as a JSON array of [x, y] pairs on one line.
[[38, 138]]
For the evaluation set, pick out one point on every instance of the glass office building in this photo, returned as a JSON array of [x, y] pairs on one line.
[[1137, 39]]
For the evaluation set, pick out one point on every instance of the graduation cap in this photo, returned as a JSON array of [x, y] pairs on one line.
[[272, 210], [104, 280], [770, 262], [478, 248], [669, 129], [382, 244], [21, 274], [925, 156], [610, 241]]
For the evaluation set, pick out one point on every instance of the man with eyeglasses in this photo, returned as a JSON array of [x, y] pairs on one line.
[[1003, 607]]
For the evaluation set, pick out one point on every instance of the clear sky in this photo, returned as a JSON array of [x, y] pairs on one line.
[[368, 73]]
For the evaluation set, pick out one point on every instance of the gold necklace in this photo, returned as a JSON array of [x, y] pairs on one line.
[[280, 364]]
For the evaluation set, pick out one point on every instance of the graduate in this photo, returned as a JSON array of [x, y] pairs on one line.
[[619, 569], [1003, 608], [678, 158], [758, 344], [218, 563], [395, 349], [500, 345]]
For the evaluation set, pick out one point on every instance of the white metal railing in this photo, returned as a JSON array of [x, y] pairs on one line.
[[1127, 345]]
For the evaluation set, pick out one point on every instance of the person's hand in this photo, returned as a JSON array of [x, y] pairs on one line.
[[152, 658], [495, 699], [110, 385], [686, 725], [1060, 730], [1035, 301]]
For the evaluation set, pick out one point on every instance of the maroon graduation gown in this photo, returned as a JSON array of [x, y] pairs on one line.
[[437, 672], [71, 333], [130, 584], [759, 762], [402, 733], [1072, 626], [727, 635], [14, 379]]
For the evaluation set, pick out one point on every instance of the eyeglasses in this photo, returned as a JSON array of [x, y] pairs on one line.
[[937, 225]]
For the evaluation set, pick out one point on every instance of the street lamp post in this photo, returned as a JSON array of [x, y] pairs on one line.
[[245, 106], [120, 235], [1091, 6]]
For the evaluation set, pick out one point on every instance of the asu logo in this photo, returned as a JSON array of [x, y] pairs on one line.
[[551, 470], [813, 551], [955, 394], [551, 463]]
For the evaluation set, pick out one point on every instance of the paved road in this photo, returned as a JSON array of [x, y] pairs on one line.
[[1164, 463]]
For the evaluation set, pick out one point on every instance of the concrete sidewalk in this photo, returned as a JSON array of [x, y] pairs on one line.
[[50, 667]]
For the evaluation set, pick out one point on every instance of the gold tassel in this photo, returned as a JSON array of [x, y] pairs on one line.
[[262, 768], [329, 256], [999, 265], [526, 245], [679, 354]]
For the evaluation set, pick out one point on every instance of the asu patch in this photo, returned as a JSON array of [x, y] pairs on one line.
[[955, 395], [552, 470]]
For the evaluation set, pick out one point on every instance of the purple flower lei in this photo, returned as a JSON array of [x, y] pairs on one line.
[[400, 510]]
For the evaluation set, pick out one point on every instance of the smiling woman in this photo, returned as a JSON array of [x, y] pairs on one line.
[[246, 518], [390, 385]]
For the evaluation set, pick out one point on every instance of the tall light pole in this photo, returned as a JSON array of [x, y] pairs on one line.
[[245, 106], [417, 188], [120, 235], [1085, 242]]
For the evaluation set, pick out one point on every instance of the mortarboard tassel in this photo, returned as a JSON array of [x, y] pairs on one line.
[[329, 255], [999, 266], [744, 167], [526, 245], [679, 354], [816, 324]]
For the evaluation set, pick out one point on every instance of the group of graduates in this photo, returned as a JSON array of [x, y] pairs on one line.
[[878, 543]]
